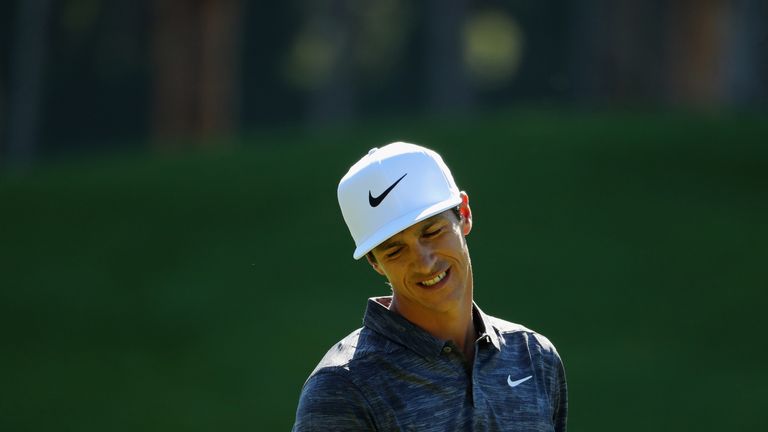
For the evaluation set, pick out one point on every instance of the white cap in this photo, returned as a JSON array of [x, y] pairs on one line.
[[392, 188]]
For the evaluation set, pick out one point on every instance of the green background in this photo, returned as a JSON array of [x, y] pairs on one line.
[[150, 292]]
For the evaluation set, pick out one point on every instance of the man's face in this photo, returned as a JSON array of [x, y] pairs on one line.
[[428, 263]]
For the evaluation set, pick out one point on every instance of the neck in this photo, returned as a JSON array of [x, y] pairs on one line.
[[455, 324]]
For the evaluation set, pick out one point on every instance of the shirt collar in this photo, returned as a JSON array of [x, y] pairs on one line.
[[484, 327], [393, 326]]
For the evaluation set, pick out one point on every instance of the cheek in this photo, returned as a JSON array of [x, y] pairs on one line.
[[454, 243], [399, 277], [390, 271]]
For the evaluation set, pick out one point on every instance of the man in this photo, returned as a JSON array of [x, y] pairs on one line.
[[427, 358]]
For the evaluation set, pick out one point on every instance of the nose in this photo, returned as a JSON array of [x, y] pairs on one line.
[[424, 259]]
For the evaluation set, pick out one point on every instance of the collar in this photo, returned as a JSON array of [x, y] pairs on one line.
[[396, 328], [484, 327]]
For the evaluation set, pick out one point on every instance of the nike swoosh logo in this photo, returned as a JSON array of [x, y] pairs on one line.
[[375, 201], [518, 382]]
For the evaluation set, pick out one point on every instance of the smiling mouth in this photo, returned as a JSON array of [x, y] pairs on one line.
[[435, 280]]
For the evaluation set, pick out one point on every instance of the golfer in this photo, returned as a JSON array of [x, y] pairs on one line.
[[427, 358]]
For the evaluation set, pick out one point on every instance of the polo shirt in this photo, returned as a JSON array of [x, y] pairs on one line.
[[392, 375]]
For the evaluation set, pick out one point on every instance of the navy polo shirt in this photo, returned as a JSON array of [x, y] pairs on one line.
[[392, 375]]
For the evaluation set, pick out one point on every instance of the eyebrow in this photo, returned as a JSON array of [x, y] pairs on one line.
[[386, 246]]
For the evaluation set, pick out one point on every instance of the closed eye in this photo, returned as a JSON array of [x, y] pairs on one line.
[[433, 233], [393, 253]]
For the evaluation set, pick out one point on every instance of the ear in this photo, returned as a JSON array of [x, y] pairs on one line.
[[466, 214], [374, 264]]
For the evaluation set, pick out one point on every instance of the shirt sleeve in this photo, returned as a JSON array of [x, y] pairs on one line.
[[560, 395], [329, 401]]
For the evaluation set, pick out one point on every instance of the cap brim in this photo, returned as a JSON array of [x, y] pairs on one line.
[[402, 223]]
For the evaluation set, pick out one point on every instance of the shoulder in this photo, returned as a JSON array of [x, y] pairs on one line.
[[350, 362], [341, 353], [519, 343], [513, 333], [357, 348], [332, 398]]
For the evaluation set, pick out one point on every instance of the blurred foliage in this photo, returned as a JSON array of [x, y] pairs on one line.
[[493, 45], [198, 292]]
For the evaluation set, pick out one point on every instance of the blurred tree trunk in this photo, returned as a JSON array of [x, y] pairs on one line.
[[635, 50], [219, 66], [196, 75], [448, 83], [27, 80], [336, 98], [617, 50], [696, 38], [175, 69]]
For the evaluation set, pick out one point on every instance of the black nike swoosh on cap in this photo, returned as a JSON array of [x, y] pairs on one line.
[[375, 201]]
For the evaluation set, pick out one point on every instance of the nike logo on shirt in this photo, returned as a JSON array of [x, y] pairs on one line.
[[518, 382]]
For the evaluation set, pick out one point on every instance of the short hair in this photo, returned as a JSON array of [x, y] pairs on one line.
[[456, 211]]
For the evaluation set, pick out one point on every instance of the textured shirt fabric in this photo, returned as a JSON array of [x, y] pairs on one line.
[[391, 375]]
